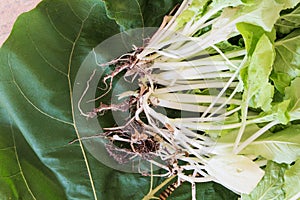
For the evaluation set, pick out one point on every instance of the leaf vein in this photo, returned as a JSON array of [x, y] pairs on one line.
[[140, 12], [72, 103], [31, 103], [73, 11], [19, 165], [41, 55], [56, 29]]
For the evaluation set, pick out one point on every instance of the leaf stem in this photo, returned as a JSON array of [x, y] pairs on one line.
[[151, 194], [255, 136]]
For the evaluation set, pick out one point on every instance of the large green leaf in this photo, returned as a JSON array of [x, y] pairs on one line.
[[39, 63], [22, 175]]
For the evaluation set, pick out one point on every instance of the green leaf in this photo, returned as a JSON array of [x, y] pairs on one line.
[[258, 91], [288, 21], [287, 60], [252, 33], [274, 146], [292, 94], [270, 186], [281, 80], [288, 3], [263, 13], [22, 175], [39, 63], [281, 112], [138, 13], [292, 181]]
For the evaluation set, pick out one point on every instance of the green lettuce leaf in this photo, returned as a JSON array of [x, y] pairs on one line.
[[292, 94], [274, 146], [292, 182], [263, 13], [258, 91], [288, 21], [287, 61], [270, 187]]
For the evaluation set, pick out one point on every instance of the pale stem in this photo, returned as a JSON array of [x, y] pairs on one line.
[[151, 194], [204, 85], [223, 56], [255, 136], [243, 125], [225, 88], [225, 103], [194, 98]]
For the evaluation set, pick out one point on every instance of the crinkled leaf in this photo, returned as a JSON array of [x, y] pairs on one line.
[[292, 182], [263, 13], [274, 146], [287, 60], [288, 21], [270, 186], [292, 94], [258, 91]]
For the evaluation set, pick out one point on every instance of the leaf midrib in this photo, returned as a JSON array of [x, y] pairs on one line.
[[72, 102]]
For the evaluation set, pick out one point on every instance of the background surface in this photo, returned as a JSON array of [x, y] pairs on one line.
[[9, 11]]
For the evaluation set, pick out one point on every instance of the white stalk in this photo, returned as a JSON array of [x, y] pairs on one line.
[[225, 87], [226, 103], [179, 106], [176, 75], [255, 136], [200, 85], [165, 31], [194, 98], [223, 56], [200, 63]]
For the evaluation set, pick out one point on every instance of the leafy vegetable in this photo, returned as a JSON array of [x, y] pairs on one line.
[[270, 186], [286, 65], [288, 21], [214, 84], [291, 184], [274, 146]]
